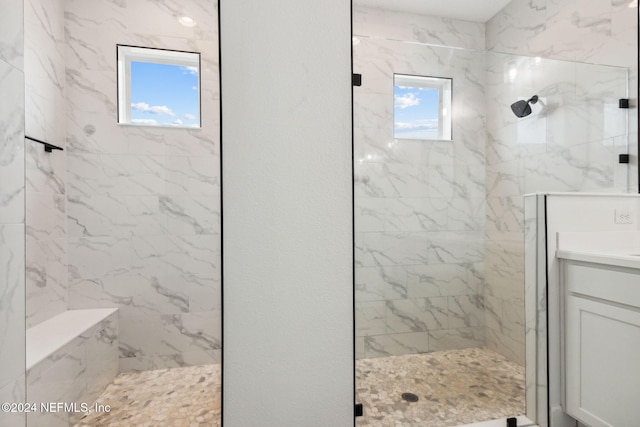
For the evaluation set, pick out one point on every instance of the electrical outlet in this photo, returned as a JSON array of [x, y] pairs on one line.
[[623, 216]]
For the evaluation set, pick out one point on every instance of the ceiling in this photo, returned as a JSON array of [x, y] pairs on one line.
[[468, 10]]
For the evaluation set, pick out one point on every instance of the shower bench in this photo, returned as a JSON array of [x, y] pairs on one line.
[[71, 358]]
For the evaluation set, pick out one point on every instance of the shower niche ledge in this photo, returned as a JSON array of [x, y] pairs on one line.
[[600, 280]]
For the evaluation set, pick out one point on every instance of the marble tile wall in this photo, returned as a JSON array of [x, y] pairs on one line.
[[592, 31], [570, 143], [419, 207], [46, 240], [143, 203], [12, 223], [432, 30], [602, 32]]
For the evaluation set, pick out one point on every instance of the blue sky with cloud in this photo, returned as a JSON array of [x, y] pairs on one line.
[[165, 95], [415, 112]]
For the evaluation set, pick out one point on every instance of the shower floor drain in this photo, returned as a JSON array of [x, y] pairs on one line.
[[409, 397]]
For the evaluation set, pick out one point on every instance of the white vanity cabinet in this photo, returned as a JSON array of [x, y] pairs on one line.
[[601, 341]]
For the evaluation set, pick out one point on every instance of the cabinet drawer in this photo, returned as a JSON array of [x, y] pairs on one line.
[[617, 284]]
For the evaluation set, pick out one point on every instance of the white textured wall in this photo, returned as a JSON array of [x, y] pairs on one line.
[[287, 229]]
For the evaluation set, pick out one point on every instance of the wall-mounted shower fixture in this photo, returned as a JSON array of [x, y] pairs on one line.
[[522, 108], [47, 147]]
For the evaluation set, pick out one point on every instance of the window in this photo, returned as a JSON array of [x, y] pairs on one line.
[[158, 87], [422, 107]]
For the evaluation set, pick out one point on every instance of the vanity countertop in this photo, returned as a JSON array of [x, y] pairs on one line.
[[621, 249], [618, 259]]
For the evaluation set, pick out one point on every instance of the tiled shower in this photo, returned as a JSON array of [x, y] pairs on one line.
[[439, 224], [132, 215], [126, 216], [122, 217]]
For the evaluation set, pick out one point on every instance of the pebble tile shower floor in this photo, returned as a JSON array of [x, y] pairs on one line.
[[177, 397], [453, 387]]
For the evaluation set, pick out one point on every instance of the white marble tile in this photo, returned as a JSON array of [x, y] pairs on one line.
[[395, 248], [380, 283], [46, 256], [117, 20], [45, 172], [417, 315], [12, 37], [396, 344], [102, 174], [466, 214], [575, 28], [419, 28], [370, 318], [505, 269], [514, 321], [44, 71], [511, 349], [505, 215], [203, 289], [46, 215], [512, 29], [195, 142], [177, 360], [46, 278], [439, 280], [401, 180], [131, 293], [586, 31], [91, 95], [186, 215], [456, 247], [116, 216], [12, 294], [448, 339], [493, 313], [400, 214], [359, 348], [193, 254], [465, 311], [196, 176], [60, 376], [14, 392], [11, 145], [102, 357], [154, 340], [505, 179]]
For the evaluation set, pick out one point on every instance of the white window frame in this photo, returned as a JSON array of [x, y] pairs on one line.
[[127, 54], [444, 86]]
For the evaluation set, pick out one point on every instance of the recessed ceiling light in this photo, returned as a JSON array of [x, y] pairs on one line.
[[187, 21]]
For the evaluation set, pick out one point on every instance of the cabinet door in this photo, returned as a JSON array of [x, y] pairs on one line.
[[602, 363]]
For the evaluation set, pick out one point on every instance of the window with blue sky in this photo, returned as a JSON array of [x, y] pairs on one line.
[[422, 107], [158, 87]]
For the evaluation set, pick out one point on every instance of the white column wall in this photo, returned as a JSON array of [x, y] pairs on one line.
[[287, 205]]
